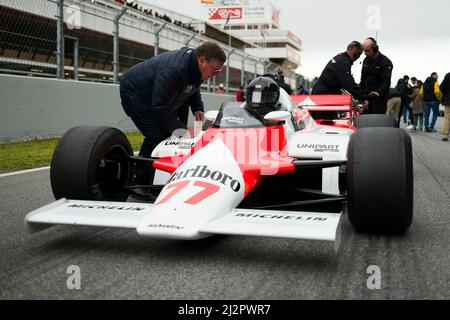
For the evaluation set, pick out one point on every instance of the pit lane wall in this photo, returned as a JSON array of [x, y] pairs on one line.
[[32, 107]]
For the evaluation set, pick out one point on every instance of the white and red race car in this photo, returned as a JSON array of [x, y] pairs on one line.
[[280, 177]]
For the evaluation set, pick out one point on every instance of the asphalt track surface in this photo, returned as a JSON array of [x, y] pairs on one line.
[[118, 264]]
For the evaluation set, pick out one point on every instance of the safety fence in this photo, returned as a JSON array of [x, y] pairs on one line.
[[98, 40]]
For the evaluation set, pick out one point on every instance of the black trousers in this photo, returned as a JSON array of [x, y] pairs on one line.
[[139, 110], [377, 106]]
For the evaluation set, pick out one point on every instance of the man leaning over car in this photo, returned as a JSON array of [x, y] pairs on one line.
[[156, 93], [337, 74]]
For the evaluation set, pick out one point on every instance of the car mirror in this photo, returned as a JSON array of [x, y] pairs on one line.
[[211, 115], [277, 116]]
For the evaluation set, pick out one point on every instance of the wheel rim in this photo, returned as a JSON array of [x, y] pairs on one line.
[[113, 172]]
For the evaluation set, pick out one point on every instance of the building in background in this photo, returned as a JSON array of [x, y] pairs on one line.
[[30, 36], [257, 22]]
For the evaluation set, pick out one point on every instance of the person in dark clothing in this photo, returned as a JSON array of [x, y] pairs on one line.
[[376, 77], [431, 95], [337, 74], [156, 95], [445, 90], [405, 91], [302, 90], [284, 85]]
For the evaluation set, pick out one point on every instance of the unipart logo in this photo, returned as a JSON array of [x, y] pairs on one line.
[[320, 147], [180, 144], [223, 13]]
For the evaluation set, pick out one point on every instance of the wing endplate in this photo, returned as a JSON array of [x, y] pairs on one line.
[[87, 213], [280, 224]]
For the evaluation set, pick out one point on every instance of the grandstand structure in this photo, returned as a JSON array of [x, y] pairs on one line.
[[98, 40]]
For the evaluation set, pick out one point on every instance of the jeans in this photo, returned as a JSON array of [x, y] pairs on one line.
[[430, 106], [405, 111]]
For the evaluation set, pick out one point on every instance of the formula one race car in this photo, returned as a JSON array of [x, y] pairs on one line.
[[261, 168]]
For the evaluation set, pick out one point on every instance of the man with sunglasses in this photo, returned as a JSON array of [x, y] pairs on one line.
[[156, 94], [337, 74], [376, 77]]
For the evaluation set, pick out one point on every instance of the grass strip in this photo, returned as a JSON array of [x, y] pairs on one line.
[[37, 153]]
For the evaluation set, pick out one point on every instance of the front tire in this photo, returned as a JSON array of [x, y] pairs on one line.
[[380, 180], [91, 163]]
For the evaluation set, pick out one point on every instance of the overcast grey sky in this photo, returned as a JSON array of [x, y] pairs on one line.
[[415, 35]]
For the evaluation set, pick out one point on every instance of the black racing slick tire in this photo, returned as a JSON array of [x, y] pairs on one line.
[[375, 120], [91, 163], [380, 181]]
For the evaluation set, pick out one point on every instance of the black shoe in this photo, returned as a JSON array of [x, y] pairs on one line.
[[444, 139]]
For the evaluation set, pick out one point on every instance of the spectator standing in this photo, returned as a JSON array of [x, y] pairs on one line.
[[376, 77], [240, 95], [394, 102], [445, 89], [302, 90], [284, 85], [220, 89], [405, 91], [431, 95], [314, 82], [417, 106]]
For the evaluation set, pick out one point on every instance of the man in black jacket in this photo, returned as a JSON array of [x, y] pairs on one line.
[[337, 74], [376, 77], [405, 91], [431, 95], [445, 90], [156, 93]]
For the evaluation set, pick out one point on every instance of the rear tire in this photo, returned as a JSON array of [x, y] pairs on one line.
[[375, 120], [380, 181], [91, 163]]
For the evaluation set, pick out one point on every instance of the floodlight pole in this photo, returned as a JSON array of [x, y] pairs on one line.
[[116, 44]]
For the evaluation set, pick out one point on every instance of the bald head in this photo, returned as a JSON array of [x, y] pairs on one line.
[[370, 48]]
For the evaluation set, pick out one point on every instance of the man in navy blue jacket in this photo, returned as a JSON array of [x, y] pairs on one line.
[[376, 77], [156, 94]]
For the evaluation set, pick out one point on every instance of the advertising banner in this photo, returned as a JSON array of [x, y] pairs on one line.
[[241, 15]]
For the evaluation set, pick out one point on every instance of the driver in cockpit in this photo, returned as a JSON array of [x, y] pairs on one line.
[[262, 96]]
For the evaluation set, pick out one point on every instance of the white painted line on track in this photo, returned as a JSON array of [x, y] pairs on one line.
[[16, 173]]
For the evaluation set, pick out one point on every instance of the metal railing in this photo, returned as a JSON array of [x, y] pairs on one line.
[[101, 39]]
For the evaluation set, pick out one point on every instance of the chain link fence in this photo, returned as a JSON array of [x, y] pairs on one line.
[[28, 37], [101, 39]]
